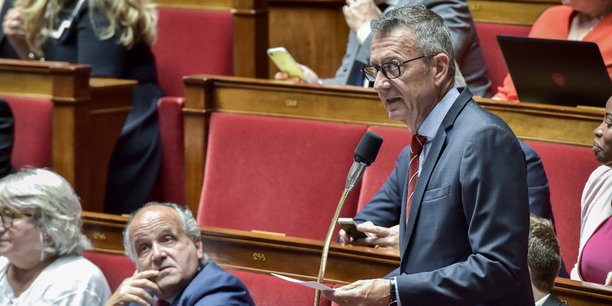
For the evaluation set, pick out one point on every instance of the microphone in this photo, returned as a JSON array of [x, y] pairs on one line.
[[364, 155]]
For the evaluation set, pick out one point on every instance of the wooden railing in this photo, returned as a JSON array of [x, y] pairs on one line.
[[297, 257], [88, 115]]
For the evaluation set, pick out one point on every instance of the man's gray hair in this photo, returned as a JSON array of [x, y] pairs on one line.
[[431, 35], [190, 226], [54, 207]]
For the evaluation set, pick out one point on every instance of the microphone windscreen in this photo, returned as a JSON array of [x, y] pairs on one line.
[[368, 147]]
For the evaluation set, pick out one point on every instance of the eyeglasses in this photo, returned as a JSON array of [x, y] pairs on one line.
[[391, 70], [8, 216]]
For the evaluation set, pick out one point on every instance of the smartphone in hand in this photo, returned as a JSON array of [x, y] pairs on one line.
[[350, 227], [285, 62]]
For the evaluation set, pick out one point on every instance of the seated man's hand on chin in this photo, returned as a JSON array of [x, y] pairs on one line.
[[311, 76], [377, 236], [136, 289], [371, 292]]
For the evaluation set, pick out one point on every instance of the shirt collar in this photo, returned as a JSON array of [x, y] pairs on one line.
[[432, 122]]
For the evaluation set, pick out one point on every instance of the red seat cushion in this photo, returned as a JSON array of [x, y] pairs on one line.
[[115, 267], [179, 53], [567, 168], [33, 144], [395, 139], [487, 35], [276, 174], [269, 290]]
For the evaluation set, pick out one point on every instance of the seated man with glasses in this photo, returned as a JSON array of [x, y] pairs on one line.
[[41, 244], [461, 186]]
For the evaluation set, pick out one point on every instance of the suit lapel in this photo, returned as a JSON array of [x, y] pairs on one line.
[[428, 167]]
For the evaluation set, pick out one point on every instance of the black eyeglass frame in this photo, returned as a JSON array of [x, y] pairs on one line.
[[11, 215], [383, 67]]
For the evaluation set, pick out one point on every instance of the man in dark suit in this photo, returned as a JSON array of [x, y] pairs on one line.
[[6, 50], [164, 242], [544, 259], [381, 218], [464, 225]]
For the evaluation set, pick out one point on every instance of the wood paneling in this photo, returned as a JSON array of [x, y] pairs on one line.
[[519, 12], [88, 115]]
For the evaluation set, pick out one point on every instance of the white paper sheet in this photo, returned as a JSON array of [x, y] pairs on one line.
[[310, 284]]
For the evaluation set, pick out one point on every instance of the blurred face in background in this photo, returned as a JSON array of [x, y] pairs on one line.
[[602, 143]]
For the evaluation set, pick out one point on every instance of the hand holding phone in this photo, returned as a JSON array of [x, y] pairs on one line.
[[350, 227], [285, 62]]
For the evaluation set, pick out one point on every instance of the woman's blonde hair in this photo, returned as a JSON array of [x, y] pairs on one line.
[[133, 20]]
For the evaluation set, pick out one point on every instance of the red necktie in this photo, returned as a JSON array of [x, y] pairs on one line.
[[416, 146], [162, 303]]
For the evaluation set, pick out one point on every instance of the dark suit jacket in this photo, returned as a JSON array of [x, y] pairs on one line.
[[468, 54], [465, 242], [553, 300], [213, 286], [387, 213], [6, 50]]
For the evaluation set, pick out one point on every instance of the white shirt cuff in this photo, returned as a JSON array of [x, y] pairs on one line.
[[363, 32]]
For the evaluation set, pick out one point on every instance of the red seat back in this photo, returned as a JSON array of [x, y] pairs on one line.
[[395, 139], [567, 168], [276, 174], [170, 185], [487, 35], [115, 267], [192, 41], [33, 144]]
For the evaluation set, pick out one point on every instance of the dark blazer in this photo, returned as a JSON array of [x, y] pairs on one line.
[[553, 300], [7, 125], [465, 242], [387, 214], [213, 286], [468, 54], [6, 50]]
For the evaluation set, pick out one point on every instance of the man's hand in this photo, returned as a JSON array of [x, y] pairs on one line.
[[136, 289], [311, 76], [359, 12], [609, 279], [371, 292], [378, 236]]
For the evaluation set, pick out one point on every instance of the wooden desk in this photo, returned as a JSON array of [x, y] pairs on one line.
[[262, 252], [577, 293], [269, 253], [206, 94], [88, 115]]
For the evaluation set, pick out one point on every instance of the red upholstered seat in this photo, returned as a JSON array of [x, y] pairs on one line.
[[487, 35], [567, 168], [115, 267], [276, 174], [171, 181], [192, 41], [33, 144], [267, 290], [395, 139]]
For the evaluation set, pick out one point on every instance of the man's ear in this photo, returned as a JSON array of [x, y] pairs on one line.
[[441, 68], [199, 248]]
